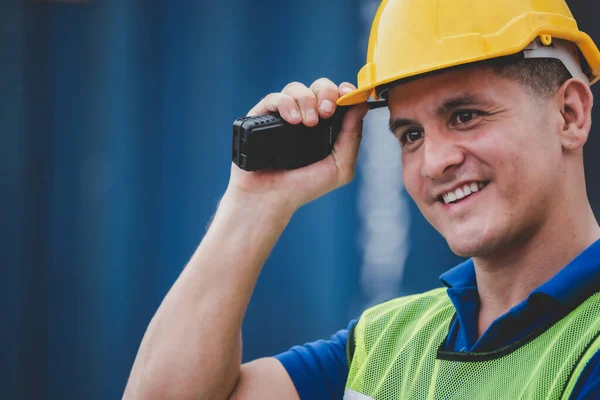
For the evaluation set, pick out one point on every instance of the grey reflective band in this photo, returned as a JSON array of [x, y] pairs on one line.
[[562, 50], [350, 394]]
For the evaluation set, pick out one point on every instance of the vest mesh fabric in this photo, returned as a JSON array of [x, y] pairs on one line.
[[396, 355]]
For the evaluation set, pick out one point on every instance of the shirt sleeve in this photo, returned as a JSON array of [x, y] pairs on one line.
[[319, 370], [588, 385]]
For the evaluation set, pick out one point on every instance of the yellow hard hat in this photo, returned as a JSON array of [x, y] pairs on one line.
[[413, 37]]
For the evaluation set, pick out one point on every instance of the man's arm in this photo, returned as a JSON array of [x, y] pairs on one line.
[[264, 379], [316, 371], [192, 347]]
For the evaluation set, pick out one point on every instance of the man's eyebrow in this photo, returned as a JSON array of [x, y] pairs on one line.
[[398, 123], [467, 99], [452, 103]]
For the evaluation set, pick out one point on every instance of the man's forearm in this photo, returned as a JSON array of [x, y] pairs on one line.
[[192, 347]]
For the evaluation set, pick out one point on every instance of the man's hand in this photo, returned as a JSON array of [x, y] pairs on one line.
[[293, 188]]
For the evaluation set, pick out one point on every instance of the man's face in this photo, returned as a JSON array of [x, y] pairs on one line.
[[472, 133]]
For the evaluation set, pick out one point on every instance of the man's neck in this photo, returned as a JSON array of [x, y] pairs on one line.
[[507, 279]]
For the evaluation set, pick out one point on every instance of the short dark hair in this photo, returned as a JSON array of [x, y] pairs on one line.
[[541, 76]]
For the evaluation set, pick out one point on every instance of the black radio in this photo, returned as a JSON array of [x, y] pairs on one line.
[[268, 142]]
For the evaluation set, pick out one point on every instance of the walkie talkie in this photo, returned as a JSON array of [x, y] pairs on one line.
[[268, 142]]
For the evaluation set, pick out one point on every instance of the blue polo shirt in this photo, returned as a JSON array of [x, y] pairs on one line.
[[319, 370]]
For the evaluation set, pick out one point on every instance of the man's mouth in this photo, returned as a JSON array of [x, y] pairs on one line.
[[462, 192]]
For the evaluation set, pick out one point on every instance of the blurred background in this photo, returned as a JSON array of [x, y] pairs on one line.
[[115, 124]]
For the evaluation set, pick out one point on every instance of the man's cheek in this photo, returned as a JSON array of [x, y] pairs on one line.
[[414, 191], [413, 181]]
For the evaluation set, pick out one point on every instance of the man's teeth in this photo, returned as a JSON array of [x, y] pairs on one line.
[[463, 192]]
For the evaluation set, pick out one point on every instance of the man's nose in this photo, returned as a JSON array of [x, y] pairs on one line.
[[441, 155]]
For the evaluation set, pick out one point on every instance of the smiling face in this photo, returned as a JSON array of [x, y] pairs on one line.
[[481, 157]]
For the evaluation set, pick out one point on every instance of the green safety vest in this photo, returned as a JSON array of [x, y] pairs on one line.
[[395, 352]]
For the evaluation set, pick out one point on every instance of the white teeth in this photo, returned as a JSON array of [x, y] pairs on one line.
[[463, 192]]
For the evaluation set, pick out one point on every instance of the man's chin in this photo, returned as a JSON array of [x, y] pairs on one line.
[[472, 245]]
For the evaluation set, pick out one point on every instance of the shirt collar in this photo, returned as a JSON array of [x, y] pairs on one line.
[[578, 280], [461, 276]]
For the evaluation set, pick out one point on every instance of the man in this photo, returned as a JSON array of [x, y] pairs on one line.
[[491, 106]]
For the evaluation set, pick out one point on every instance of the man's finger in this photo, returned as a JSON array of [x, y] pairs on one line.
[[345, 151], [306, 100], [327, 95], [345, 88], [281, 103]]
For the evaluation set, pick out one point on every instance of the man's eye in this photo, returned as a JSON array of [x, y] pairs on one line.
[[464, 117], [412, 136]]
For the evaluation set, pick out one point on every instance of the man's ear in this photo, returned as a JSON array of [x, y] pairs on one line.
[[575, 100]]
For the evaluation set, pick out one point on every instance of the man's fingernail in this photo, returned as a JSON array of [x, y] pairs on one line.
[[326, 106], [311, 115], [345, 90], [294, 114]]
